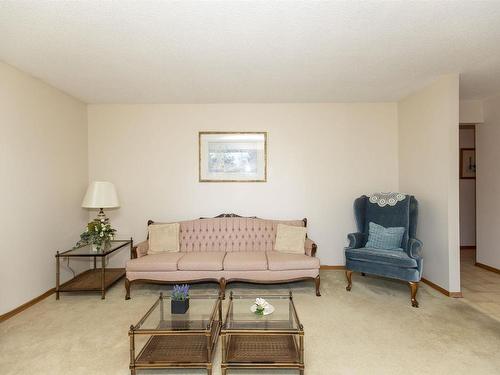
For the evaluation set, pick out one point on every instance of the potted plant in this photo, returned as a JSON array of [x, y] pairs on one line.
[[180, 299], [98, 233], [260, 306]]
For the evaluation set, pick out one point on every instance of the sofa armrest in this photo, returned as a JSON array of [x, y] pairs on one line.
[[140, 249], [415, 248], [356, 240], [310, 247]]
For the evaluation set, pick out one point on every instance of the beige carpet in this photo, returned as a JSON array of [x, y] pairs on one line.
[[371, 330]]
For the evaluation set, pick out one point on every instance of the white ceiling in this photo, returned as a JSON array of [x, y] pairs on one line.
[[252, 51]]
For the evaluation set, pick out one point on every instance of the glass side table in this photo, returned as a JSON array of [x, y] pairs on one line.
[[254, 341], [96, 279]]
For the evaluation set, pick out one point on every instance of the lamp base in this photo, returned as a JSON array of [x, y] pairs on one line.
[[101, 216]]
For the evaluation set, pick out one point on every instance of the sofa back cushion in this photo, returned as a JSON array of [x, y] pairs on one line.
[[230, 234], [290, 239], [163, 238]]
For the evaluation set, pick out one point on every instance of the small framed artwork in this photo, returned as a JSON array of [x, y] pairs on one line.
[[232, 157], [468, 163]]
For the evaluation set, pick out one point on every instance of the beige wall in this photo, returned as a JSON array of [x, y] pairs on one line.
[[471, 112], [43, 159], [428, 160], [467, 197], [321, 157], [488, 184]]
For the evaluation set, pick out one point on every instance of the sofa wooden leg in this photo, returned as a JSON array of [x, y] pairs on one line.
[[413, 291], [127, 288], [222, 286], [348, 275], [317, 282]]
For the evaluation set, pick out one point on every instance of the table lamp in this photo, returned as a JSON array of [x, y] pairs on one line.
[[101, 194]]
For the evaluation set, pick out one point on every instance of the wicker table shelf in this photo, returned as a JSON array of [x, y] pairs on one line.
[[177, 340], [166, 350], [262, 349], [271, 341]]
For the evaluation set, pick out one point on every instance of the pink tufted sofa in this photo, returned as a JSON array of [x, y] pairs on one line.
[[224, 249]]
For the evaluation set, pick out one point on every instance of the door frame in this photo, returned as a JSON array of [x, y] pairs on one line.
[[469, 126]]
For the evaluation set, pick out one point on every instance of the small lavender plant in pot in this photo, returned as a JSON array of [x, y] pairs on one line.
[[180, 299]]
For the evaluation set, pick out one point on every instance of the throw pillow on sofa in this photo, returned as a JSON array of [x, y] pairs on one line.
[[290, 239], [383, 238], [163, 238]]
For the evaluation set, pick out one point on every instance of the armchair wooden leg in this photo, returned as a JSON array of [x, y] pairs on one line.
[[127, 289], [348, 275], [222, 286], [317, 281], [413, 290]]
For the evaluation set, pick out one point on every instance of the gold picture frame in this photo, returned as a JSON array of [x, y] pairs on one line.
[[468, 163], [232, 156]]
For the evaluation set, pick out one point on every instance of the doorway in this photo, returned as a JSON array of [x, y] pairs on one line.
[[467, 191]]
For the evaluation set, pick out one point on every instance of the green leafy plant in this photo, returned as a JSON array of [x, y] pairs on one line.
[[98, 233]]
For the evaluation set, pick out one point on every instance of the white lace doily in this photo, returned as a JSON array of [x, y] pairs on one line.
[[384, 199]]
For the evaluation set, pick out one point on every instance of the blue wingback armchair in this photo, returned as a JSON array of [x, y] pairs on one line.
[[388, 210]]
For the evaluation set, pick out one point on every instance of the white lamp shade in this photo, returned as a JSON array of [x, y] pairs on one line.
[[101, 194]]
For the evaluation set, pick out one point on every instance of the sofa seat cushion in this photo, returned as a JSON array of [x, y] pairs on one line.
[[201, 261], [280, 261], [397, 258], [245, 261], [154, 262]]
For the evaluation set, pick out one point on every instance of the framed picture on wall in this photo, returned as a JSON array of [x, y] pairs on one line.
[[468, 163], [232, 156]]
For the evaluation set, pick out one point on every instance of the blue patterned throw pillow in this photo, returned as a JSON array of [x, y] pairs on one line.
[[383, 238]]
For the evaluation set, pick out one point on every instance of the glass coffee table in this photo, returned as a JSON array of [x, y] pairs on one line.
[[177, 340], [262, 341]]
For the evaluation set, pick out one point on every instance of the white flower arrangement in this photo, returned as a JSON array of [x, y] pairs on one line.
[[98, 233], [261, 305]]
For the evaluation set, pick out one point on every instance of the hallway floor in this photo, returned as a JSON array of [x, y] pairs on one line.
[[480, 287]]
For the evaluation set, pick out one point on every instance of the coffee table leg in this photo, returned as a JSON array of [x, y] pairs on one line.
[[132, 350], [103, 277]]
